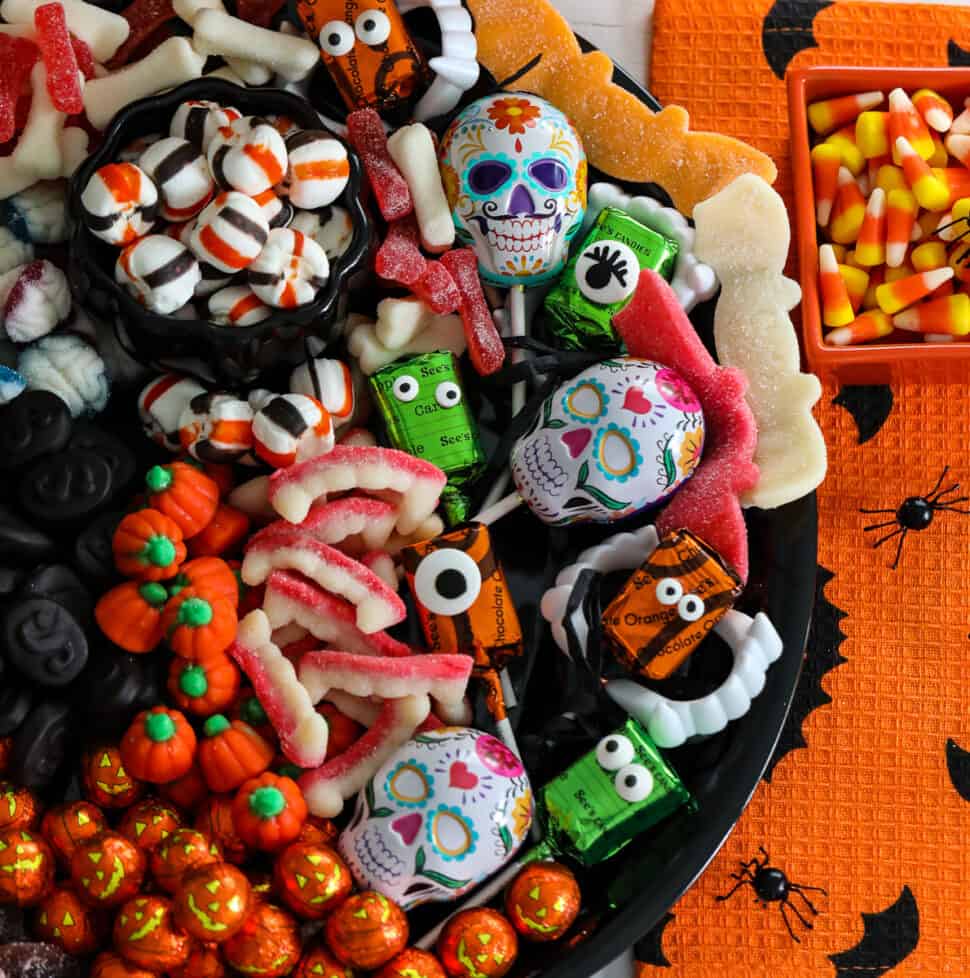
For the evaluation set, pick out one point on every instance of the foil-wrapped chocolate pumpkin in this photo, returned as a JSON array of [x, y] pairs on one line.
[[212, 902], [62, 919], [367, 930], [477, 943], [107, 869], [543, 901], [26, 867], [105, 780], [145, 935], [267, 945], [66, 826], [18, 806], [185, 849], [311, 879], [149, 822]]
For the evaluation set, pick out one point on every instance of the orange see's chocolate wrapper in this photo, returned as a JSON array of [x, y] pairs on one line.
[[669, 605], [464, 603], [373, 61]]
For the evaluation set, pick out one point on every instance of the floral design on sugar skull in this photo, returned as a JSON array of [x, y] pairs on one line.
[[446, 811], [515, 173], [621, 436]]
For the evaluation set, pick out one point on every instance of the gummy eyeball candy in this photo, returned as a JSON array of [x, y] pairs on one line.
[[249, 155], [230, 233], [514, 171], [443, 813], [181, 175], [198, 120], [290, 269], [619, 437], [119, 203], [160, 272], [318, 168]]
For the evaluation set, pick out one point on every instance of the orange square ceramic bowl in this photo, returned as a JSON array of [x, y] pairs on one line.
[[868, 363]]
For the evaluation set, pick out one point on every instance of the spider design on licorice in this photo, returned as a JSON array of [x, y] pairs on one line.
[[916, 513], [606, 264], [771, 885]]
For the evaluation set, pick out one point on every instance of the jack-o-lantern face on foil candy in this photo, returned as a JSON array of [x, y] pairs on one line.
[[367, 49]]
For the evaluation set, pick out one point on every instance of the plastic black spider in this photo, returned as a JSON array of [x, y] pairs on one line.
[[605, 265], [771, 885], [916, 513]]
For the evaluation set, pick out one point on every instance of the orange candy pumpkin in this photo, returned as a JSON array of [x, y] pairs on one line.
[[66, 826], [269, 812], [267, 945], [110, 965], [185, 495], [106, 781], [107, 870], [145, 934], [197, 625], [212, 902], [311, 879], [231, 753], [148, 546], [188, 791], [149, 822], [412, 962], [206, 686], [203, 961], [209, 576], [367, 930], [158, 746], [62, 919], [18, 806], [225, 533], [215, 820], [184, 850], [131, 615], [477, 943], [26, 867], [318, 962]]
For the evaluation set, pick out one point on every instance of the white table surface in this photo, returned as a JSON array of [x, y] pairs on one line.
[[621, 29]]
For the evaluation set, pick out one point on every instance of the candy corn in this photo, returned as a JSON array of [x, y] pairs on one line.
[[934, 109], [872, 134], [841, 253], [876, 277], [928, 189], [906, 123], [959, 146], [852, 156], [900, 217], [956, 179], [870, 246], [940, 156], [891, 177], [929, 255], [893, 296], [856, 283], [836, 307], [949, 316], [871, 325], [849, 210], [826, 161], [825, 116]]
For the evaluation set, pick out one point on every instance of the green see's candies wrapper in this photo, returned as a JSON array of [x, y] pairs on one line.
[[601, 278], [609, 796], [422, 402]]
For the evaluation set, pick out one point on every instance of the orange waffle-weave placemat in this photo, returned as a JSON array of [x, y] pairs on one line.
[[876, 808]]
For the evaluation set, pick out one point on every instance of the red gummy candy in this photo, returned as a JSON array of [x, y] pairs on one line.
[[144, 18], [366, 133], [399, 258], [56, 49], [85, 59], [437, 289], [485, 347], [654, 326], [17, 57]]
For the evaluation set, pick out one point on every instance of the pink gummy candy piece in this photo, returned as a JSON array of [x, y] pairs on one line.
[[18, 56], [366, 132], [399, 258], [437, 289], [485, 347], [654, 326], [59, 60], [85, 59]]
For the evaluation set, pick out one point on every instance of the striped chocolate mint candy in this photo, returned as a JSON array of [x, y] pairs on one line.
[[160, 272], [119, 203], [249, 156], [289, 270], [198, 120], [181, 175], [318, 168], [237, 305], [289, 428], [230, 232]]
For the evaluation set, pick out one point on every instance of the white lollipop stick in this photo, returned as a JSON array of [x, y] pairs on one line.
[[174, 61], [492, 514], [290, 57]]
